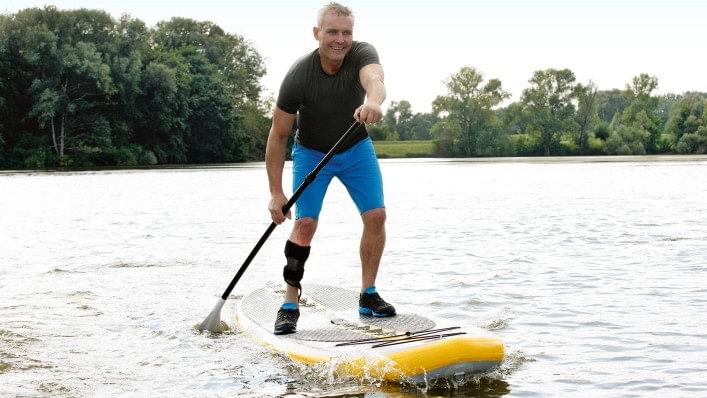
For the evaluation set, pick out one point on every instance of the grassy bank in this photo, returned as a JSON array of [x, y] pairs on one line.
[[404, 149]]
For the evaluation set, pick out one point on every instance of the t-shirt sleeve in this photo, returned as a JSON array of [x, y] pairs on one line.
[[290, 96], [366, 54]]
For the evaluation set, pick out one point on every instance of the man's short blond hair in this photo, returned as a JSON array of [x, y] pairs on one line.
[[337, 9]]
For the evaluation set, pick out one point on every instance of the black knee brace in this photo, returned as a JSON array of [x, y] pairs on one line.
[[294, 270]]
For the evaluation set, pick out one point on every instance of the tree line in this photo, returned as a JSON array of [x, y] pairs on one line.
[[79, 88], [556, 115]]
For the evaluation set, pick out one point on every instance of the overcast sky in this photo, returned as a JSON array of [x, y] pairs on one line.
[[421, 44]]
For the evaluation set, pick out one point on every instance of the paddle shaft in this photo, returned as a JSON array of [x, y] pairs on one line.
[[307, 180]]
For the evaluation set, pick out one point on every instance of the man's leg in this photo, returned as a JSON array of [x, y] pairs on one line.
[[364, 182], [297, 247], [307, 211], [301, 235], [372, 245], [296, 252]]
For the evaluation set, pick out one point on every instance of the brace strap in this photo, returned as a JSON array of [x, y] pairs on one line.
[[294, 270]]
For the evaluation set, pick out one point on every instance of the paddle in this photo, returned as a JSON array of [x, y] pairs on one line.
[[213, 321]]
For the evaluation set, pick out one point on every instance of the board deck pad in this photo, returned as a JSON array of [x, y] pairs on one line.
[[329, 314]]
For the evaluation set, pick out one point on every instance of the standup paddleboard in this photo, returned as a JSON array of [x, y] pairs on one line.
[[405, 347]]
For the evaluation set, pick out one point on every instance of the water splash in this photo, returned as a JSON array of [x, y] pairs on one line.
[[330, 379], [514, 361]]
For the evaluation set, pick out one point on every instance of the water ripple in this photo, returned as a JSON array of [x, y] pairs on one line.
[[591, 276]]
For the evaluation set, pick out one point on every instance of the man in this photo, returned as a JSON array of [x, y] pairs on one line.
[[324, 92]]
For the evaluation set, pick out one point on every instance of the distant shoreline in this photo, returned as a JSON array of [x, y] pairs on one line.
[[261, 164], [562, 159]]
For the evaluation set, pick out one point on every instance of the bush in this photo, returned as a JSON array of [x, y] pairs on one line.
[[526, 144], [567, 146], [376, 132], [693, 142], [39, 158], [147, 158], [667, 143], [492, 143], [595, 146], [443, 136], [65, 161], [602, 131], [627, 140], [127, 155], [84, 156], [31, 151]]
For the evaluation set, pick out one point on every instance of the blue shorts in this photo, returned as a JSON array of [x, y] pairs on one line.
[[357, 168]]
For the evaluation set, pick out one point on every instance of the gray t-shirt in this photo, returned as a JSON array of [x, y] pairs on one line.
[[326, 103]]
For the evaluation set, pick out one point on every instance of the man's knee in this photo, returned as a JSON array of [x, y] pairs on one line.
[[374, 218], [303, 231]]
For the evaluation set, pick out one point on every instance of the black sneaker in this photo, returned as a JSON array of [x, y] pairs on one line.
[[286, 321], [373, 304]]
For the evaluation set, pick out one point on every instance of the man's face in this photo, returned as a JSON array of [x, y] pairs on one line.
[[335, 36]]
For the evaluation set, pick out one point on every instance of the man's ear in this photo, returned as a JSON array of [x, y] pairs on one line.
[[315, 31]]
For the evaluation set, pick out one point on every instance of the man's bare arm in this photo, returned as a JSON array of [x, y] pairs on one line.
[[372, 80], [282, 123]]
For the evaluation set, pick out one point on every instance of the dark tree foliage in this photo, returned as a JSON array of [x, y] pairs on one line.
[[611, 103], [79, 88]]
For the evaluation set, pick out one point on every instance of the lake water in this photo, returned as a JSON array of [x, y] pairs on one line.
[[593, 272]]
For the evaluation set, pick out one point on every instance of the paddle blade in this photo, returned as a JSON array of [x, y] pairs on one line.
[[212, 322]]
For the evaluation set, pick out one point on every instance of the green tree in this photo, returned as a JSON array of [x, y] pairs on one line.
[[666, 102], [400, 123], [516, 122], [390, 121], [131, 51], [255, 127], [76, 81], [611, 103], [235, 58], [469, 105], [549, 103], [687, 124], [491, 141], [642, 112], [586, 117], [421, 126], [602, 131], [15, 80], [4, 64], [214, 133], [693, 142], [686, 116], [62, 80], [445, 135], [398, 117], [514, 119], [627, 140], [163, 127], [380, 131], [80, 88], [223, 72]]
